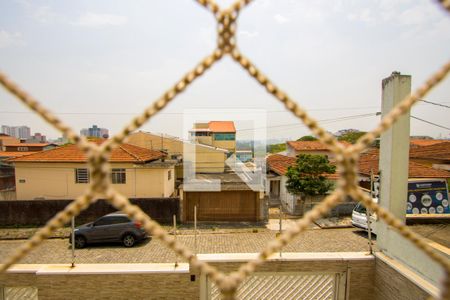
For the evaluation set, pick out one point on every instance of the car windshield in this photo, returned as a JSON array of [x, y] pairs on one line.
[[360, 208]]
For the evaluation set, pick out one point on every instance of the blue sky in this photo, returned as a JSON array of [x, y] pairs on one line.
[[101, 62]]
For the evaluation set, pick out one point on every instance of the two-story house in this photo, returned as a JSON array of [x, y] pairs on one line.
[[220, 134]]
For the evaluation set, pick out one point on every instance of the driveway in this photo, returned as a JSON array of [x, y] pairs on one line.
[[152, 251]]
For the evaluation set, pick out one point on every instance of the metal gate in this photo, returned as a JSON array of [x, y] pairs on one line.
[[285, 285], [19, 293]]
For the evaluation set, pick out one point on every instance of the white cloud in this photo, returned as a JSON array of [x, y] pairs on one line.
[[45, 14], [90, 19], [248, 34], [280, 19], [8, 39]]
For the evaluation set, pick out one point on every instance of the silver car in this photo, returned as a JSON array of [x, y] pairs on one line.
[[114, 227]]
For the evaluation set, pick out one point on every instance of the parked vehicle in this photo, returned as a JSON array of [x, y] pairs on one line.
[[359, 217], [114, 227], [425, 197]]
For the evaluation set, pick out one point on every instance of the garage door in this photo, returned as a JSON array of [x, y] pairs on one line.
[[222, 206]]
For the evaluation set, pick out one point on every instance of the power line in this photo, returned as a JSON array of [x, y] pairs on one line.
[[324, 121], [435, 103], [181, 113], [437, 125]]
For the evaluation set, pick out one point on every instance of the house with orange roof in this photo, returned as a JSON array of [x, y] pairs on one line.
[[419, 164], [6, 140], [220, 134], [28, 147], [275, 188], [294, 148], [435, 155], [63, 173], [424, 142]]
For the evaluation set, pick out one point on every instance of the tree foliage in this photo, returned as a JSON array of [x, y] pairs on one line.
[[351, 137], [307, 175], [275, 148], [307, 138]]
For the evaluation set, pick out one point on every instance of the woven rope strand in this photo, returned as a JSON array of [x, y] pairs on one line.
[[403, 107], [162, 102], [346, 159], [34, 105], [290, 105]]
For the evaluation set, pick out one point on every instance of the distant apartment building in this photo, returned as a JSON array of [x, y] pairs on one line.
[[37, 138], [20, 132], [95, 131], [220, 134]]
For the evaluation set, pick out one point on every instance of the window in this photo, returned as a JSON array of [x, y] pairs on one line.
[[201, 133], [103, 221], [81, 176], [22, 148], [224, 136], [119, 220], [169, 175], [111, 220], [118, 176], [360, 208]]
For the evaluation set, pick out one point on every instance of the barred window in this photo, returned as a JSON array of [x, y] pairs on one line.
[[118, 176], [81, 176]]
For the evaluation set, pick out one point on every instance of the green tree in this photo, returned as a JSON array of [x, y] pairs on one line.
[[307, 138], [351, 137], [307, 178], [275, 148]]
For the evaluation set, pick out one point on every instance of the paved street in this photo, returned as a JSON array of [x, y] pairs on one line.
[[58, 251]]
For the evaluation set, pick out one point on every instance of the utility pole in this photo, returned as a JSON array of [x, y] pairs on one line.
[[73, 241], [175, 235], [369, 230]]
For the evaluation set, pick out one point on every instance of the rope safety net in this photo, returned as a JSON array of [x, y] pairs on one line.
[[346, 158]]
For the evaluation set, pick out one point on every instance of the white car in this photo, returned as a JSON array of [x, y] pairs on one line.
[[359, 218]]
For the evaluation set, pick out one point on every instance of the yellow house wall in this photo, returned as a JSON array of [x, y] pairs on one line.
[[206, 140], [57, 181], [229, 145], [207, 160], [154, 142]]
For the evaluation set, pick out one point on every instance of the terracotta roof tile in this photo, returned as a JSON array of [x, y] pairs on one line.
[[416, 170], [424, 142], [29, 145], [221, 126], [71, 153], [440, 151], [311, 145], [280, 163], [14, 153]]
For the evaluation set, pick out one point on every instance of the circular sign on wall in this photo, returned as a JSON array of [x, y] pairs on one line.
[[426, 200]]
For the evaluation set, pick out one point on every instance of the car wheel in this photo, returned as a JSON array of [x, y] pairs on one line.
[[80, 241], [128, 240]]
